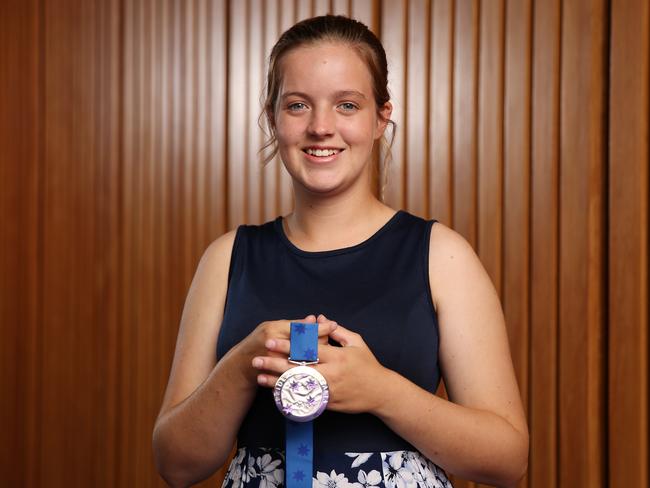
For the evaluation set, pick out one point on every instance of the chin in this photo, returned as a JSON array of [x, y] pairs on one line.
[[322, 188]]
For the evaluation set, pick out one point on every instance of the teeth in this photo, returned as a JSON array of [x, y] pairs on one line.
[[321, 152]]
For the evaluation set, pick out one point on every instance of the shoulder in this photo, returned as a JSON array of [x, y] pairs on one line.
[[454, 267], [217, 255]]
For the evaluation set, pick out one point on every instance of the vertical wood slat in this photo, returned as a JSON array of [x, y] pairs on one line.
[[581, 246], [366, 12], [271, 170], [126, 390], [320, 7], [237, 110], [255, 84], [20, 170], [629, 157], [340, 7], [516, 183], [464, 181], [490, 140], [543, 421], [110, 257], [218, 116], [416, 126], [440, 109], [393, 35]]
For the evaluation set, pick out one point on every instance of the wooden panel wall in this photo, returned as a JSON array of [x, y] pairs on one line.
[[129, 141]]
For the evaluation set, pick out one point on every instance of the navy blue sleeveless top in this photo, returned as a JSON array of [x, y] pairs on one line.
[[378, 288]]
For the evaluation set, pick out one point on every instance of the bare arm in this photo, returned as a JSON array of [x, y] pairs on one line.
[[203, 404], [481, 434], [205, 401]]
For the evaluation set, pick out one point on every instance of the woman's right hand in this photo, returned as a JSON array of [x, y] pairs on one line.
[[262, 342]]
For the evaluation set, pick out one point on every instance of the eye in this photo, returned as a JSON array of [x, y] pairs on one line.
[[348, 106], [296, 106]]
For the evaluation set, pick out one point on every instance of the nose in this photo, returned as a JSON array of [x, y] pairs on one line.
[[321, 123]]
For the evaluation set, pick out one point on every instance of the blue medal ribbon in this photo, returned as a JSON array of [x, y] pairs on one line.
[[299, 448]]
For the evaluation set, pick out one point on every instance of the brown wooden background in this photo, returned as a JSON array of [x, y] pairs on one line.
[[128, 141]]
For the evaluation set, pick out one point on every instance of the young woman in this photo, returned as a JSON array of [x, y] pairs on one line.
[[399, 302]]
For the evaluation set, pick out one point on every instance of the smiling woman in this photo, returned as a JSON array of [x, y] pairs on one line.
[[380, 303]]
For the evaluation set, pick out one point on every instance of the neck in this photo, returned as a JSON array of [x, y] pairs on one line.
[[323, 223]]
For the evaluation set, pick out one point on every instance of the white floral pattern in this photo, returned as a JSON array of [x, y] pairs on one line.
[[264, 468]]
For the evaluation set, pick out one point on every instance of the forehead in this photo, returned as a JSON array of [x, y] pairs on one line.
[[325, 66]]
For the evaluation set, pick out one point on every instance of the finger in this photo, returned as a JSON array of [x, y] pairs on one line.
[[267, 380], [321, 319], [324, 323], [281, 346], [325, 328], [271, 364], [346, 337]]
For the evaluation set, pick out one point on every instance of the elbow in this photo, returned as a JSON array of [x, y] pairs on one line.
[[518, 466], [508, 467], [176, 466], [165, 461]]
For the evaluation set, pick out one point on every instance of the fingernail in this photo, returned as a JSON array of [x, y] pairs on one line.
[[261, 380], [257, 362], [270, 344]]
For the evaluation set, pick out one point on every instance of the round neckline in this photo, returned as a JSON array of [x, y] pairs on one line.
[[334, 252]]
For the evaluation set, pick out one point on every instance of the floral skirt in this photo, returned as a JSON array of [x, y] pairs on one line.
[[264, 468]]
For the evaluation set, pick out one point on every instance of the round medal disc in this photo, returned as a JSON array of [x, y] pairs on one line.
[[301, 394]]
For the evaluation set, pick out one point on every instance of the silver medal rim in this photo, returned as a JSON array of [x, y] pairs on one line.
[[277, 390]]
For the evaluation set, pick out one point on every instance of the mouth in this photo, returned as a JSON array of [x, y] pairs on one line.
[[322, 152]]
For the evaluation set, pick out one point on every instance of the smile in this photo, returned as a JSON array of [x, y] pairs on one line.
[[321, 152]]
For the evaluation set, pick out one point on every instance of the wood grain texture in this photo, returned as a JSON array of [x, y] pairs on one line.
[[629, 158], [416, 126], [544, 260], [20, 240], [491, 140], [581, 319], [440, 110], [465, 82], [129, 141], [393, 35], [516, 186]]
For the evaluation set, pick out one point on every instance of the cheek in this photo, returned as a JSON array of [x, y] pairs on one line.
[[358, 132], [287, 130]]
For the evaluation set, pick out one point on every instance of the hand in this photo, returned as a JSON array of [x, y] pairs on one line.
[[261, 342], [353, 374]]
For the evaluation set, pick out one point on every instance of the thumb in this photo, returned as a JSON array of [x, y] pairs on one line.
[[346, 337]]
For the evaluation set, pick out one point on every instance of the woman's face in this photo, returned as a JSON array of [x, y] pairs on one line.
[[326, 118]]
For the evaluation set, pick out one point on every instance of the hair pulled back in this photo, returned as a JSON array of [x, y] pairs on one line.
[[325, 28]]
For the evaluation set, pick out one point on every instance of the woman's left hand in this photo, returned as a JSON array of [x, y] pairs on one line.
[[353, 374]]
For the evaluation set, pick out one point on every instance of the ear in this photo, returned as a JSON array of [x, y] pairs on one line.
[[383, 118]]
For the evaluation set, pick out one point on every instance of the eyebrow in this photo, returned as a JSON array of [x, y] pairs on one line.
[[338, 94]]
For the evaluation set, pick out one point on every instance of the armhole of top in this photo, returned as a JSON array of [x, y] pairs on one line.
[[427, 278], [234, 254], [427, 282]]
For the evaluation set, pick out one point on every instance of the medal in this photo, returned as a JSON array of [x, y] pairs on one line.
[[301, 394]]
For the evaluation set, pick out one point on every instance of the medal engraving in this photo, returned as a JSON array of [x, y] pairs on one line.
[[301, 394]]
